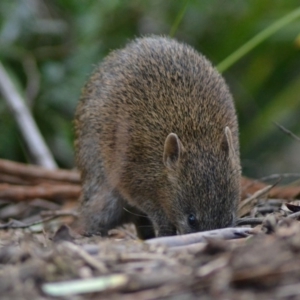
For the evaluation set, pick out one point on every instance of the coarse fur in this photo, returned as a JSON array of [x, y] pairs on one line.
[[157, 142]]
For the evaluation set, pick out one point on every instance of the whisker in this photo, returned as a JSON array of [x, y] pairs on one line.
[[134, 214]]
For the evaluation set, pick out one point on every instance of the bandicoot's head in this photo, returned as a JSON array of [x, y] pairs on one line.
[[205, 185]]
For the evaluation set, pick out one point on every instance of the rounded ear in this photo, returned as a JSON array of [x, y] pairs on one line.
[[172, 150], [227, 143]]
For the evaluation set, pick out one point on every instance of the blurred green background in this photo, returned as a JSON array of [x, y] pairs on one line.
[[50, 47]]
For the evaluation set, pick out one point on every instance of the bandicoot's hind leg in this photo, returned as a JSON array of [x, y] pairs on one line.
[[105, 209], [101, 209]]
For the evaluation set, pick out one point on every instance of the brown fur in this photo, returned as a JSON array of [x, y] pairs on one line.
[[132, 169]]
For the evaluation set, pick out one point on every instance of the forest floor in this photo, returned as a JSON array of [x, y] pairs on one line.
[[43, 256]]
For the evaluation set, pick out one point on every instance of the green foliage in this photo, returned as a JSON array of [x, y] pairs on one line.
[[256, 40], [51, 47]]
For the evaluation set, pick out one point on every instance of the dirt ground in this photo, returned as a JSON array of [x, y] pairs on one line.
[[42, 256], [263, 266]]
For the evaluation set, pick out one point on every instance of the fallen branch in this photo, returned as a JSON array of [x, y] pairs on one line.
[[36, 174], [4, 178], [19, 173], [200, 237], [46, 191]]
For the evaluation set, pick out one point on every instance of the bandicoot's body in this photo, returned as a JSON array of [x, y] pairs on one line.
[[157, 142]]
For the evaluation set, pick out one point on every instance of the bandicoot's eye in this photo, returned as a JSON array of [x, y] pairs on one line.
[[192, 220]]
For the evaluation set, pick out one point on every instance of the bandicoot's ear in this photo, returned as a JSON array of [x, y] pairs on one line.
[[227, 143], [172, 150]]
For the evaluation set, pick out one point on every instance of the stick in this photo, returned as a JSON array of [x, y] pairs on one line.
[[46, 191], [12, 179], [36, 173], [200, 237], [31, 135]]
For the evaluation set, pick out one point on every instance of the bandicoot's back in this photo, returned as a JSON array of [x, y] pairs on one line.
[[157, 135]]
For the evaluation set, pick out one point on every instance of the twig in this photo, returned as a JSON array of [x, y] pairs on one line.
[[213, 266], [200, 237], [243, 207], [294, 216], [288, 132], [249, 221], [59, 213], [278, 176], [15, 224], [130, 257], [192, 248], [289, 291], [46, 191], [266, 209], [98, 265], [32, 137]]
